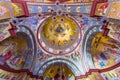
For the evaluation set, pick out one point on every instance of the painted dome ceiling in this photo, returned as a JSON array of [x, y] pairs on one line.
[[57, 34]]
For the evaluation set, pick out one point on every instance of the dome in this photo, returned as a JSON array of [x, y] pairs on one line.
[[57, 34]]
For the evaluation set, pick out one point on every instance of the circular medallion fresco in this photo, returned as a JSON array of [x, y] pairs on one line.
[[59, 35]]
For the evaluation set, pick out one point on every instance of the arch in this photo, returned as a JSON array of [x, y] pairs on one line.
[[69, 64], [55, 69], [87, 57], [28, 31]]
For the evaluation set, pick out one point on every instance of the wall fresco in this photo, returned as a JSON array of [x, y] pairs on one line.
[[14, 51]]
